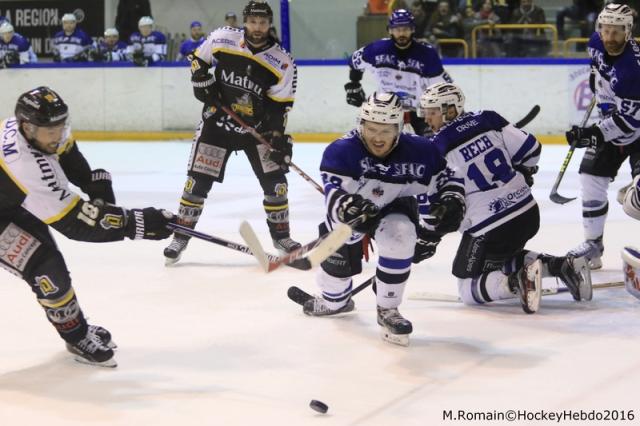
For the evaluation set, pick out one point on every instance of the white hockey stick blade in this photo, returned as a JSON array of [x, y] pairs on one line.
[[249, 236], [434, 297], [336, 239]]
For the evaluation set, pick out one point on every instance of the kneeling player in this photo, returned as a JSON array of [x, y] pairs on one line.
[[373, 173], [498, 161], [35, 170], [631, 255]]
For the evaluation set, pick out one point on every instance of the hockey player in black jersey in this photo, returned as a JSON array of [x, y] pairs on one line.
[[37, 161], [255, 78]]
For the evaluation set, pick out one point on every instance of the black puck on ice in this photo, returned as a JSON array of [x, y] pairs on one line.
[[318, 406]]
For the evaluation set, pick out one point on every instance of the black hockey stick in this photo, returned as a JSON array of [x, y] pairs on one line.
[[299, 296], [529, 117], [229, 244], [554, 196]]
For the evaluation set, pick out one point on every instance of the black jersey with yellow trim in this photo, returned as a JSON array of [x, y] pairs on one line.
[[254, 85]]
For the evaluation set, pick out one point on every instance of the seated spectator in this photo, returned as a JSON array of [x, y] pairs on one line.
[[14, 48], [488, 41], [111, 49], [469, 22], [191, 44], [445, 24], [71, 44], [420, 19], [528, 42], [580, 10], [147, 46], [231, 20]]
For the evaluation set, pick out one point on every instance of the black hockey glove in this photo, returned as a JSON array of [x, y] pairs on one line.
[[426, 244], [527, 173], [138, 58], [12, 58], [100, 187], [282, 148], [448, 213], [149, 224], [585, 137], [354, 206], [355, 94]]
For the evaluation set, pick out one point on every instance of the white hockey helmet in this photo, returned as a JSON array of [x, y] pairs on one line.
[[383, 108], [631, 270], [69, 17], [6, 28], [111, 32], [443, 95], [616, 14], [145, 20]]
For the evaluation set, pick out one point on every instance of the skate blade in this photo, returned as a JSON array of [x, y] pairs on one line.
[[396, 339], [170, 262], [110, 363], [582, 267], [111, 345]]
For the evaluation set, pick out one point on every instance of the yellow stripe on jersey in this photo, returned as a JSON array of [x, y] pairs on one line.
[[257, 59], [66, 145], [56, 303], [64, 211], [189, 203], [280, 99], [276, 208], [6, 169]]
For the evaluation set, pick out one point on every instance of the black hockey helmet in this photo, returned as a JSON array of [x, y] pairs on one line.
[[42, 107], [257, 8]]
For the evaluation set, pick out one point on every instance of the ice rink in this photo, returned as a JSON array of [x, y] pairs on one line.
[[215, 341]]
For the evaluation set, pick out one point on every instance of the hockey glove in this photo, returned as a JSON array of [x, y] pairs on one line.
[[426, 244], [448, 213], [585, 137], [100, 187], [12, 58], [527, 173], [149, 224], [354, 206], [282, 148], [355, 94], [138, 59]]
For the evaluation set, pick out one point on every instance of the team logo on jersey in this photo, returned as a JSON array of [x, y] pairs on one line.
[[112, 221], [232, 79], [281, 189], [500, 204], [243, 105], [377, 191], [46, 285], [189, 184]]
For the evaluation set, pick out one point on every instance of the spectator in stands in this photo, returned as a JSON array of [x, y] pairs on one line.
[[527, 42], [469, 22], [420, 19], [489, 41], [190, 45], [583, 12], [147, 46], [14, 48], [128, 15], [445, 24], [111, 49], [231, 20], [71, 44]]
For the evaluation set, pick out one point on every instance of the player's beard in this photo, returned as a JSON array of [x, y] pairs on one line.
[[256, 38], [402, 42], [613, 48]]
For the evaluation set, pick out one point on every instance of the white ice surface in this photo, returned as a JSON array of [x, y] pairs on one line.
[[215, 340]]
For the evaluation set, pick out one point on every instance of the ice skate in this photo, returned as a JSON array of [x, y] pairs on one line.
[[317, 307], [104, 335], [395, 328], [576, 276], [92, 349], [286, 246], [173, 252], [527, 283], [591, 250]]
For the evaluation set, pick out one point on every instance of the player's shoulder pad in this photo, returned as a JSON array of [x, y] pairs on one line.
[[159, 36], [493, 120], [344, 154], [595, 41], [626, 83], [226, 36]]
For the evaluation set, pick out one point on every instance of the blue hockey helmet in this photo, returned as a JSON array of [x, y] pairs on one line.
[[401, 18]]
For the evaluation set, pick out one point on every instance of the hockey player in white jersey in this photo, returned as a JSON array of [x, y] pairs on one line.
[[37, 161], [498, 161], [615, 62], [400, 64], [374, 172]]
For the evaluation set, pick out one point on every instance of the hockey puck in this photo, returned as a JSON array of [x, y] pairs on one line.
[[318, 406]]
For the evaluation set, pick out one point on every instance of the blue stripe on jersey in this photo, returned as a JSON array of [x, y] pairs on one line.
[[342, 293], [387, 262], [496, 217], [529, 143]]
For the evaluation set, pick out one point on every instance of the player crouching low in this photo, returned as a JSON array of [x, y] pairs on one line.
[[498, 161], [374, 172]]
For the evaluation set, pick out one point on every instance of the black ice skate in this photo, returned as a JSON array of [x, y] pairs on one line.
[[286, 246], [575, 275], [174, 250], [592, 250], [527, 283], [92, 350], [317, 307], [395, 328], [104, 335]]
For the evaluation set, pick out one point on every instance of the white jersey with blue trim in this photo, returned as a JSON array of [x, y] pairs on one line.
[[617, 90], [17, 44], [406, 72], [413, 167], [486, 149], [154, 46], [69, 47]]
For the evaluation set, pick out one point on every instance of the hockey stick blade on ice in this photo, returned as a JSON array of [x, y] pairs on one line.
[[299, 296], [314, 252], [529, 117], [229, 244], [554, 195]]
